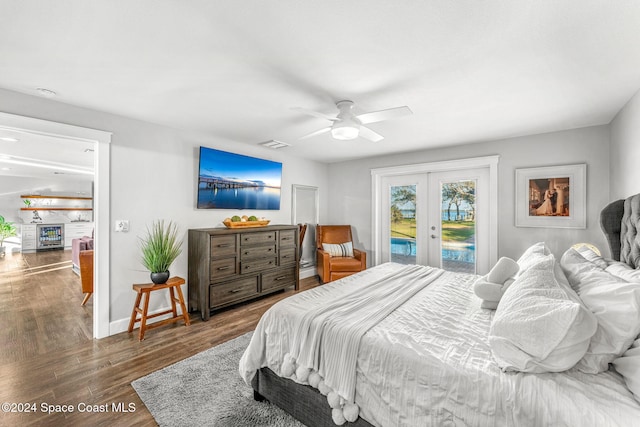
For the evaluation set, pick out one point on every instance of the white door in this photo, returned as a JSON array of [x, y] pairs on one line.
[[437, 218], [459, 220], [404, 213]]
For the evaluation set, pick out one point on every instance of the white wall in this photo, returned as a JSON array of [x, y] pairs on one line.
[[351, 204], [625, 151], [154, 176]]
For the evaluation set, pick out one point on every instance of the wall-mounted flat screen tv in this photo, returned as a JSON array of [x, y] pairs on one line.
[[233, 181]]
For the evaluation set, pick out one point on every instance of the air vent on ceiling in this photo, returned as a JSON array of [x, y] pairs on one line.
[[275, 144]]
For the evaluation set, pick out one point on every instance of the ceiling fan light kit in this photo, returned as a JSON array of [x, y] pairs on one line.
[[347, 126]]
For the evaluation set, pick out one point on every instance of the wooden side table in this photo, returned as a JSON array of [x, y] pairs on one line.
[[146, 289]]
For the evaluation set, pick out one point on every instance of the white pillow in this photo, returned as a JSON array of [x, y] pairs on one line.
[[537, 326], [629, 367], [533, 255], [615, 303], [623, 271], [339, 249], [591, 255]]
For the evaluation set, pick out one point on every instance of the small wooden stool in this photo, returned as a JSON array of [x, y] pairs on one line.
[[145, 289]]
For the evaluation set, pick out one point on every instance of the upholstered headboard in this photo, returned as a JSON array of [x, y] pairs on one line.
[[620, 221]]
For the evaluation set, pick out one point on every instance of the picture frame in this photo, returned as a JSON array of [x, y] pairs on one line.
[[551, 196]]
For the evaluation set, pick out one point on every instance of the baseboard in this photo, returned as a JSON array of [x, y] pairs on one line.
[[122, 325], [308, 272]]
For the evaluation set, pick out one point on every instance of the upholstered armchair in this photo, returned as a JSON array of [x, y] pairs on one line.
[[336, 257]]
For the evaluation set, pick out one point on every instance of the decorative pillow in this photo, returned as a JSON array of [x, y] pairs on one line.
[[537, 326], [339, 249], [534, 254], [629, 367], [491, 287], [615, 303]]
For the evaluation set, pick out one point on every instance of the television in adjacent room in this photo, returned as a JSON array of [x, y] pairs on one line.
[[233, 181]]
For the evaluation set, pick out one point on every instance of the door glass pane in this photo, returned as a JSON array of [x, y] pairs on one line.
[[458, 241], [403, 224]]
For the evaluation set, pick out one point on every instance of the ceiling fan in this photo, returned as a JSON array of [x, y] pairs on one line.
[[346, 125]]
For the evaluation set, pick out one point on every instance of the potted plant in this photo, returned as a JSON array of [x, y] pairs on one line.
[[160, 247], [7, 229]]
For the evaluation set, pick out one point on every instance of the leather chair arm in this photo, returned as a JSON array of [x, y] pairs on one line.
[[322, 262], [361, 256]]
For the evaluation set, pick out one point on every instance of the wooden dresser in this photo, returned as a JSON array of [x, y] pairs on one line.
[[231, 265]]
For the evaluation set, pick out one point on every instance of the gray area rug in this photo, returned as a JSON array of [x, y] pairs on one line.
[[207, 390]]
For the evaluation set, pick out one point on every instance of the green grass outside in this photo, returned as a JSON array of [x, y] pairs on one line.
[[457, 231], [404, 228]]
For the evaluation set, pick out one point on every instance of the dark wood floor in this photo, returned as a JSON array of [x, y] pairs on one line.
[[47, 355]]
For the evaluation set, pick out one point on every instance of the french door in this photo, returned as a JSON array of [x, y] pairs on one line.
[[437, 218]]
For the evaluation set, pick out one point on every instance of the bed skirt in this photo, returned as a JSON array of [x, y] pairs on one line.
[[302, 402]]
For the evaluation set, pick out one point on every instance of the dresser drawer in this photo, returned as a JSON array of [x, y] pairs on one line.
[[256, 265], [287, 256], [288, 238], [222, 246], [221, 269], [257, 238], [235, 290], [278, 279], [257, 252]]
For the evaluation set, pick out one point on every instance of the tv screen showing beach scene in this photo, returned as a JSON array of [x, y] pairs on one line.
[[233, 181]]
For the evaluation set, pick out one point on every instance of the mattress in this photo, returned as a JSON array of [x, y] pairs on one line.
[[429, 363]]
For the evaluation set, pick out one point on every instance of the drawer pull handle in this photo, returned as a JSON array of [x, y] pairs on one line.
[[234, 291], [226, 267], [281, 278], [286, 238], [224, 245]]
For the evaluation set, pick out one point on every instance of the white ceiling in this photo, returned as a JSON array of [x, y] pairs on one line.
[[32, 155], [470, 70]]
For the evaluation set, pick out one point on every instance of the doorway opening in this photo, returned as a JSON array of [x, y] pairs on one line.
[[100, 140]]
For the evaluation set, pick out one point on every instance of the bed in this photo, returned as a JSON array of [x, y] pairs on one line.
[[422, 351]]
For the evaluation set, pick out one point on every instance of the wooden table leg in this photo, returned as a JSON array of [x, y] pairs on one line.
[[134, 314], [172, 297], [143, 321], [185, 314]]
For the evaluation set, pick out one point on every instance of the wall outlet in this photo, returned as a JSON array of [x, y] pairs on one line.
[[122, 225]]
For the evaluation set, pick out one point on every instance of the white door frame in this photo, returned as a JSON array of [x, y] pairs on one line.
[[377, 174], [100, 201]]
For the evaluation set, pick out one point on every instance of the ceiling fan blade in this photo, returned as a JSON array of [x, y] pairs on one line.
[[367, 133], [316, 133], [315, 114], [378, 116]]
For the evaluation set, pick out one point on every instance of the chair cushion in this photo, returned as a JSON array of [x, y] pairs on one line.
[[345, 264]]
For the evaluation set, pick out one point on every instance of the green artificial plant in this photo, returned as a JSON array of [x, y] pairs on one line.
[[7, 229], [160, 247]]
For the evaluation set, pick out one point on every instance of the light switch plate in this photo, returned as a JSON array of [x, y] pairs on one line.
[[122, 225]]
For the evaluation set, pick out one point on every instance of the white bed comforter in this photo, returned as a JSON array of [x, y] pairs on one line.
[[428, 363]]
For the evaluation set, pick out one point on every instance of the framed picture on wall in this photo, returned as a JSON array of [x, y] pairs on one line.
[[551, 196]]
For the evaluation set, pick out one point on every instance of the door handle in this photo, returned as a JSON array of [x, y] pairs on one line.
[[433, 236]]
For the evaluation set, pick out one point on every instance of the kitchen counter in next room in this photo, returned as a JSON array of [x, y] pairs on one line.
[[72, 230]]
